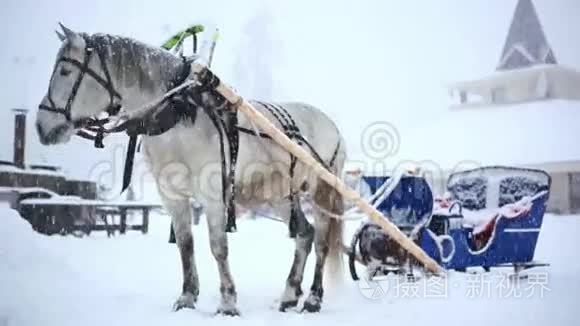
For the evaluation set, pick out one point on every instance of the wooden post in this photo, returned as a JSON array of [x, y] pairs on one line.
[[214, 40], [19, 137], [349, 194], [123, 226], [145, 225]]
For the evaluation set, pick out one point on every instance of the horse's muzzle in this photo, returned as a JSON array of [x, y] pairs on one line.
[[55, 135]]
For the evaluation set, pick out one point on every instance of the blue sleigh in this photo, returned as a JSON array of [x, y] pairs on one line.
[[489, 217]]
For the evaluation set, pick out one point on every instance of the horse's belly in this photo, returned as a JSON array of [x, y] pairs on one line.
[[263, 172]]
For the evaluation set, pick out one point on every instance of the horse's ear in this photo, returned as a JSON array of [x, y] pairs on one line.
[[74, 38], [69, 33], [61, 37]]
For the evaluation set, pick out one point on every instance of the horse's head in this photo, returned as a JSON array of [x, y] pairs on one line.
[[80, 88]]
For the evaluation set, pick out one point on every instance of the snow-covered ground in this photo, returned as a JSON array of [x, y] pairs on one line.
[[134, 279]]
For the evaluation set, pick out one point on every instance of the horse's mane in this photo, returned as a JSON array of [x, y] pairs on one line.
[[133, 63]]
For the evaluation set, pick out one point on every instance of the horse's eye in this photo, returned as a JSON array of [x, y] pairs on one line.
[[64, 72]]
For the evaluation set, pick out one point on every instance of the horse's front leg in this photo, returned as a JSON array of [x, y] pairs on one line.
[[180, 211], [219, 248], [304, 238]]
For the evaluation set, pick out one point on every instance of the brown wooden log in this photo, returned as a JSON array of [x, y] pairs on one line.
[[349, 194]]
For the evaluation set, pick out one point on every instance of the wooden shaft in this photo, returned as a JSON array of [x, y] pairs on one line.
[[267, 127]]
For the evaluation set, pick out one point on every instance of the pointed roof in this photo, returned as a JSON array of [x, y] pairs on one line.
[[526, 44]]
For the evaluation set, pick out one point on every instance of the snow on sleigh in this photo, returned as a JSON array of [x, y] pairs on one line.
[[489, 217]]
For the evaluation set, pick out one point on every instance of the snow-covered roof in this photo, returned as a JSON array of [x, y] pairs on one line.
[[27, 190], [15, 169], [61, 200], [78, 201], [522, 134], [484, 84]]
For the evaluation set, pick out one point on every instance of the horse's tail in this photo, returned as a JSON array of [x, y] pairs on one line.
[[335, 250]]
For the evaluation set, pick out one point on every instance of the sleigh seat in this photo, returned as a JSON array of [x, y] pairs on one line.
[[480, 224]]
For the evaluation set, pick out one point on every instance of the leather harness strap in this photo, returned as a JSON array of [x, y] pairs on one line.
[[167, 118], [291, 130]]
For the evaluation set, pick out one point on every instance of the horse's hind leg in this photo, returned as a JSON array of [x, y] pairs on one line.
[[219, 248], [327, 242], [304, 238], [314, 300], [180, 211]]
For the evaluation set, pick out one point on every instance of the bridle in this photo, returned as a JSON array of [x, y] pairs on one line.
[[90, 124]]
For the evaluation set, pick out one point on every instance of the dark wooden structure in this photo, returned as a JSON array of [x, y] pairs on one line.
[[59, 217], [18, 174], [54, 204], [121, 211]]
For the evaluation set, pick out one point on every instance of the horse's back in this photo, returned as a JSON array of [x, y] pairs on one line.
[[312, 123]]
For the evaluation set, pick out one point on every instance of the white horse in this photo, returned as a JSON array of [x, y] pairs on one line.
[[100, 73]]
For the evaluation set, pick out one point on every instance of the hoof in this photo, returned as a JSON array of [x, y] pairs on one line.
[[311, 307], [186, 300], [287, 305], [230, 312], [312, 303]]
